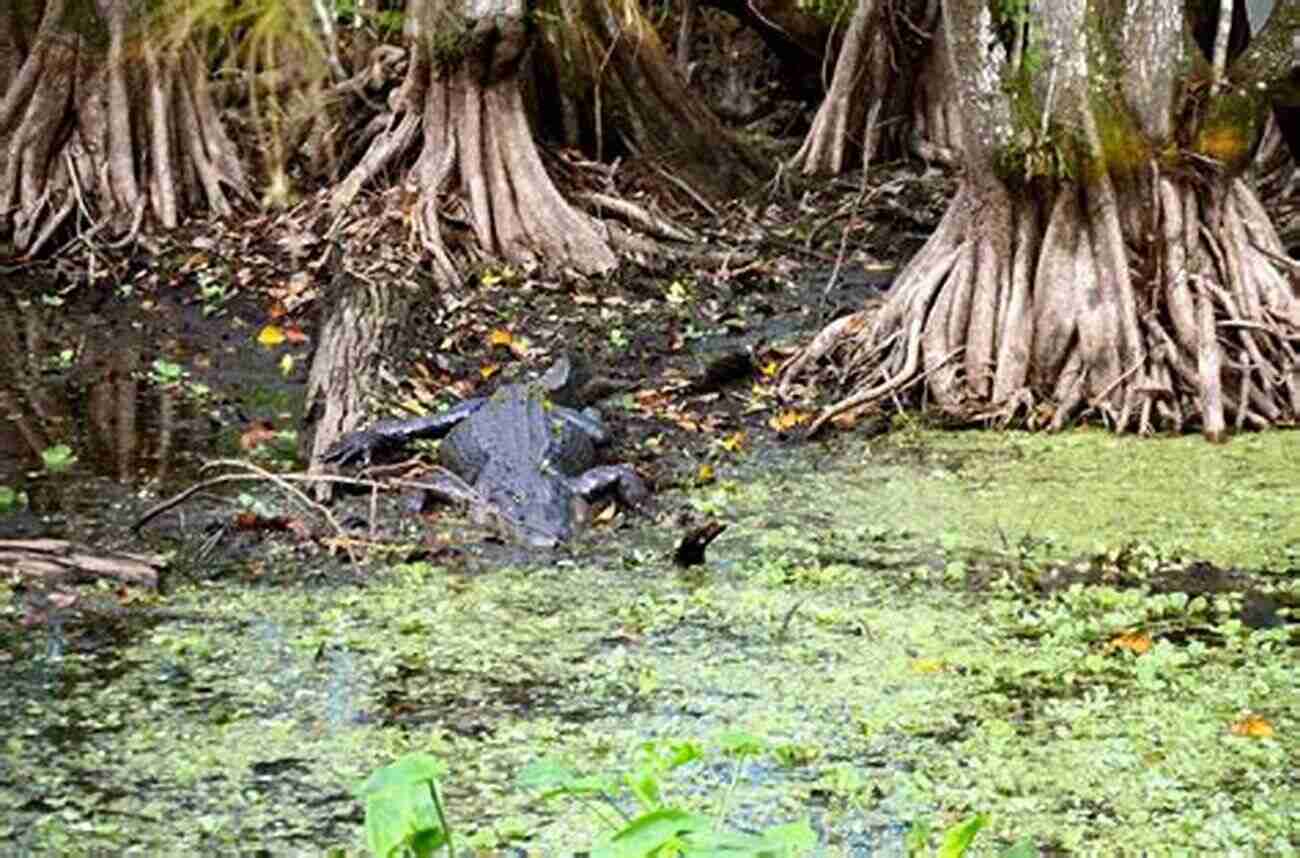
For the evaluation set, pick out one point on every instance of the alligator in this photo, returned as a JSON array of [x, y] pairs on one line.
[[523, 459]]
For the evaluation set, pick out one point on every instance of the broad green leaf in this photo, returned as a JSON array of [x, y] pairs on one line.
[[398, 816], [959, 838], [651, 831], [410, 770], [552, 778], [645, 788], [792, 837]]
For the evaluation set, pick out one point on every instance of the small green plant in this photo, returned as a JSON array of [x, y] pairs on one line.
[[166, 373], [678, 293], [61, 361], [662, 827], [958, 839], [58, 458], [504, 276], [389, 22], [11, 499], [214, 293], [404, 814], [169, 375]]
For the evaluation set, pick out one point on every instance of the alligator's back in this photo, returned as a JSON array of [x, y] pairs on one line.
[[521, 435]]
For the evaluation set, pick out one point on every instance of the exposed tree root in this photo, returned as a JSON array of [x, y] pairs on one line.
[[477, 156], [869, 105], [1052, 316], [102, 139], [617, 92]]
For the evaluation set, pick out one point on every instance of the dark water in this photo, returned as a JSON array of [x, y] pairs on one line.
[[103, 390]]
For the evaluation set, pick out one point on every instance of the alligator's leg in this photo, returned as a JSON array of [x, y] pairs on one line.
[[587, 421], [390, 434], [566, 378], [626, 482], [445, 486]]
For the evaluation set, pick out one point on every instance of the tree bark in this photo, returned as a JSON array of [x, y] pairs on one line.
[[361, 319], [799, 38], [100, 126], [461, 99], [869, 108], [1103, 256], [619, 94]]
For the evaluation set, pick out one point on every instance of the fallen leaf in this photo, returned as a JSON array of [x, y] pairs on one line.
[[488, 370], [788, 419], [298, 528], [1134, 642], [295, 335], [463, 389], [271, 335], [286, 365], [500, 337], [246, 521], [770, 369], [733, 442], [1252, 725], [651, 400], [928, 665], [256, 436], [704, 474]]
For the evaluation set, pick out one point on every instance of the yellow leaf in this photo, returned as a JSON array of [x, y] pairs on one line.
[[488, 370], [704, 474], [788, 419], [928, 665], [500, 337], [770, 369], [1252, 725], [271, 335], [1134, 642], [286, 365], [607, 514], [734, 442]]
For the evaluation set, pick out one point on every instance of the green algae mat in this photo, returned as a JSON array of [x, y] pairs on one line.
[[1090, 639]]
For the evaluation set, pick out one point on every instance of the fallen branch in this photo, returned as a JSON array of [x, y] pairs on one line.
[[58, 561], [281, 479]]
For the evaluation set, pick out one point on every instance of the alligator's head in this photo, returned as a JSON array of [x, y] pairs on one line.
[[540, 511]]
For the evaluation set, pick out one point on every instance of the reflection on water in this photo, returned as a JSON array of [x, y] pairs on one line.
[[343, 691], [298, 689], [139, 391]]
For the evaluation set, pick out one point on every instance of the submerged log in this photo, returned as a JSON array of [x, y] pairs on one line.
[[57, 561]]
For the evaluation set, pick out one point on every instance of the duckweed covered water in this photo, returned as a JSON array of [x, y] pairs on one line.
[[874, 611]]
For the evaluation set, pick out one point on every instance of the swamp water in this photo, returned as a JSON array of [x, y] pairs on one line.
[[919, 627]]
